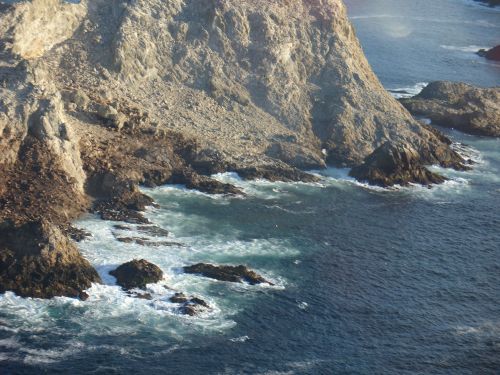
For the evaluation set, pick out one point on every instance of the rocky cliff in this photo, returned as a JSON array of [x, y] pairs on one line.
[[100, 96]]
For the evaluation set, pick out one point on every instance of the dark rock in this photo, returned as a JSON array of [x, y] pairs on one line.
[[491, 3], [125, 207], [208, 185], [136, 274], [83, 296], [190, 306], [237, 274], [276, 172], [38, 260], [76, 234], [147, 242], [188, 310], [467, 108], [490, 54], [153, 230], [179, 298], [395, 165], [146, 296]]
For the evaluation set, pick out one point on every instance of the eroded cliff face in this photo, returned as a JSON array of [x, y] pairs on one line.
[[103, 95], [297, 64]]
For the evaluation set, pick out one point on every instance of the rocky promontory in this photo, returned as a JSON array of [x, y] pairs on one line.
[[470, 109], [99, 97]]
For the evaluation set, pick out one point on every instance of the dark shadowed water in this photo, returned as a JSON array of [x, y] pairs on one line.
[[368, 281]]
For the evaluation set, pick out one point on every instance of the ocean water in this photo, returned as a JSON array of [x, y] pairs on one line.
[[367, 280]]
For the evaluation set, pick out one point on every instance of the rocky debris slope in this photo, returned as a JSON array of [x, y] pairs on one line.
[[296, 67], [37, 260], [456, 105], [98, 97]]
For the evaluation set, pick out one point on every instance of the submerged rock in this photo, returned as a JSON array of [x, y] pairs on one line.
[[137, 274], [395, 165], [457, 105], [235, 274], [189, 305], [143, 241], [38, 260]]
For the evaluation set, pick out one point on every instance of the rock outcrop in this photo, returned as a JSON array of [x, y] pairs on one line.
[[37, 260], [491, 54], [235, 274], [456, 105], [137, 274], [98, 97], [395, 165]]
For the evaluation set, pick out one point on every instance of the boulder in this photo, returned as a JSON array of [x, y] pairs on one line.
[[111, 115], [235, 274], [136, 274], [470, 109], [38, 260], [392, 164]]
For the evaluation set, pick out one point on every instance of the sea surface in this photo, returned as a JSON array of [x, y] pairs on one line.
[[368, 280]]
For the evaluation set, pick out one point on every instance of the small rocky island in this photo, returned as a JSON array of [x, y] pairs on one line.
[[470, 109], [97, 99]]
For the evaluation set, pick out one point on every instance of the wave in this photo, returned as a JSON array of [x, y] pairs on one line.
[[470, 48], [407, 92]]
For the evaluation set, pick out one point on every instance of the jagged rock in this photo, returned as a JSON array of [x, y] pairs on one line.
[[37, 260], [76, 234], [136, 274], [395, 165], [111, 115], [467, 108], [189, 305], [236, 274], [117, 199], [490, 54]]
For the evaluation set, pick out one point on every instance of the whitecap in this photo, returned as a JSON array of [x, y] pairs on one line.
[[407, 92], [468, 49], [240, 339]]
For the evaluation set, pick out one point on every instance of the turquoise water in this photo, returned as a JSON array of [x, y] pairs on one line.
[[368, 280]]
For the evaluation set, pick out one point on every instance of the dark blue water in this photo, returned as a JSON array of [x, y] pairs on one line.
[[369, 281]]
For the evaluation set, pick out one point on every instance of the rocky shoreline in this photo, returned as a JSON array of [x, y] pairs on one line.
[[88, 114]]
